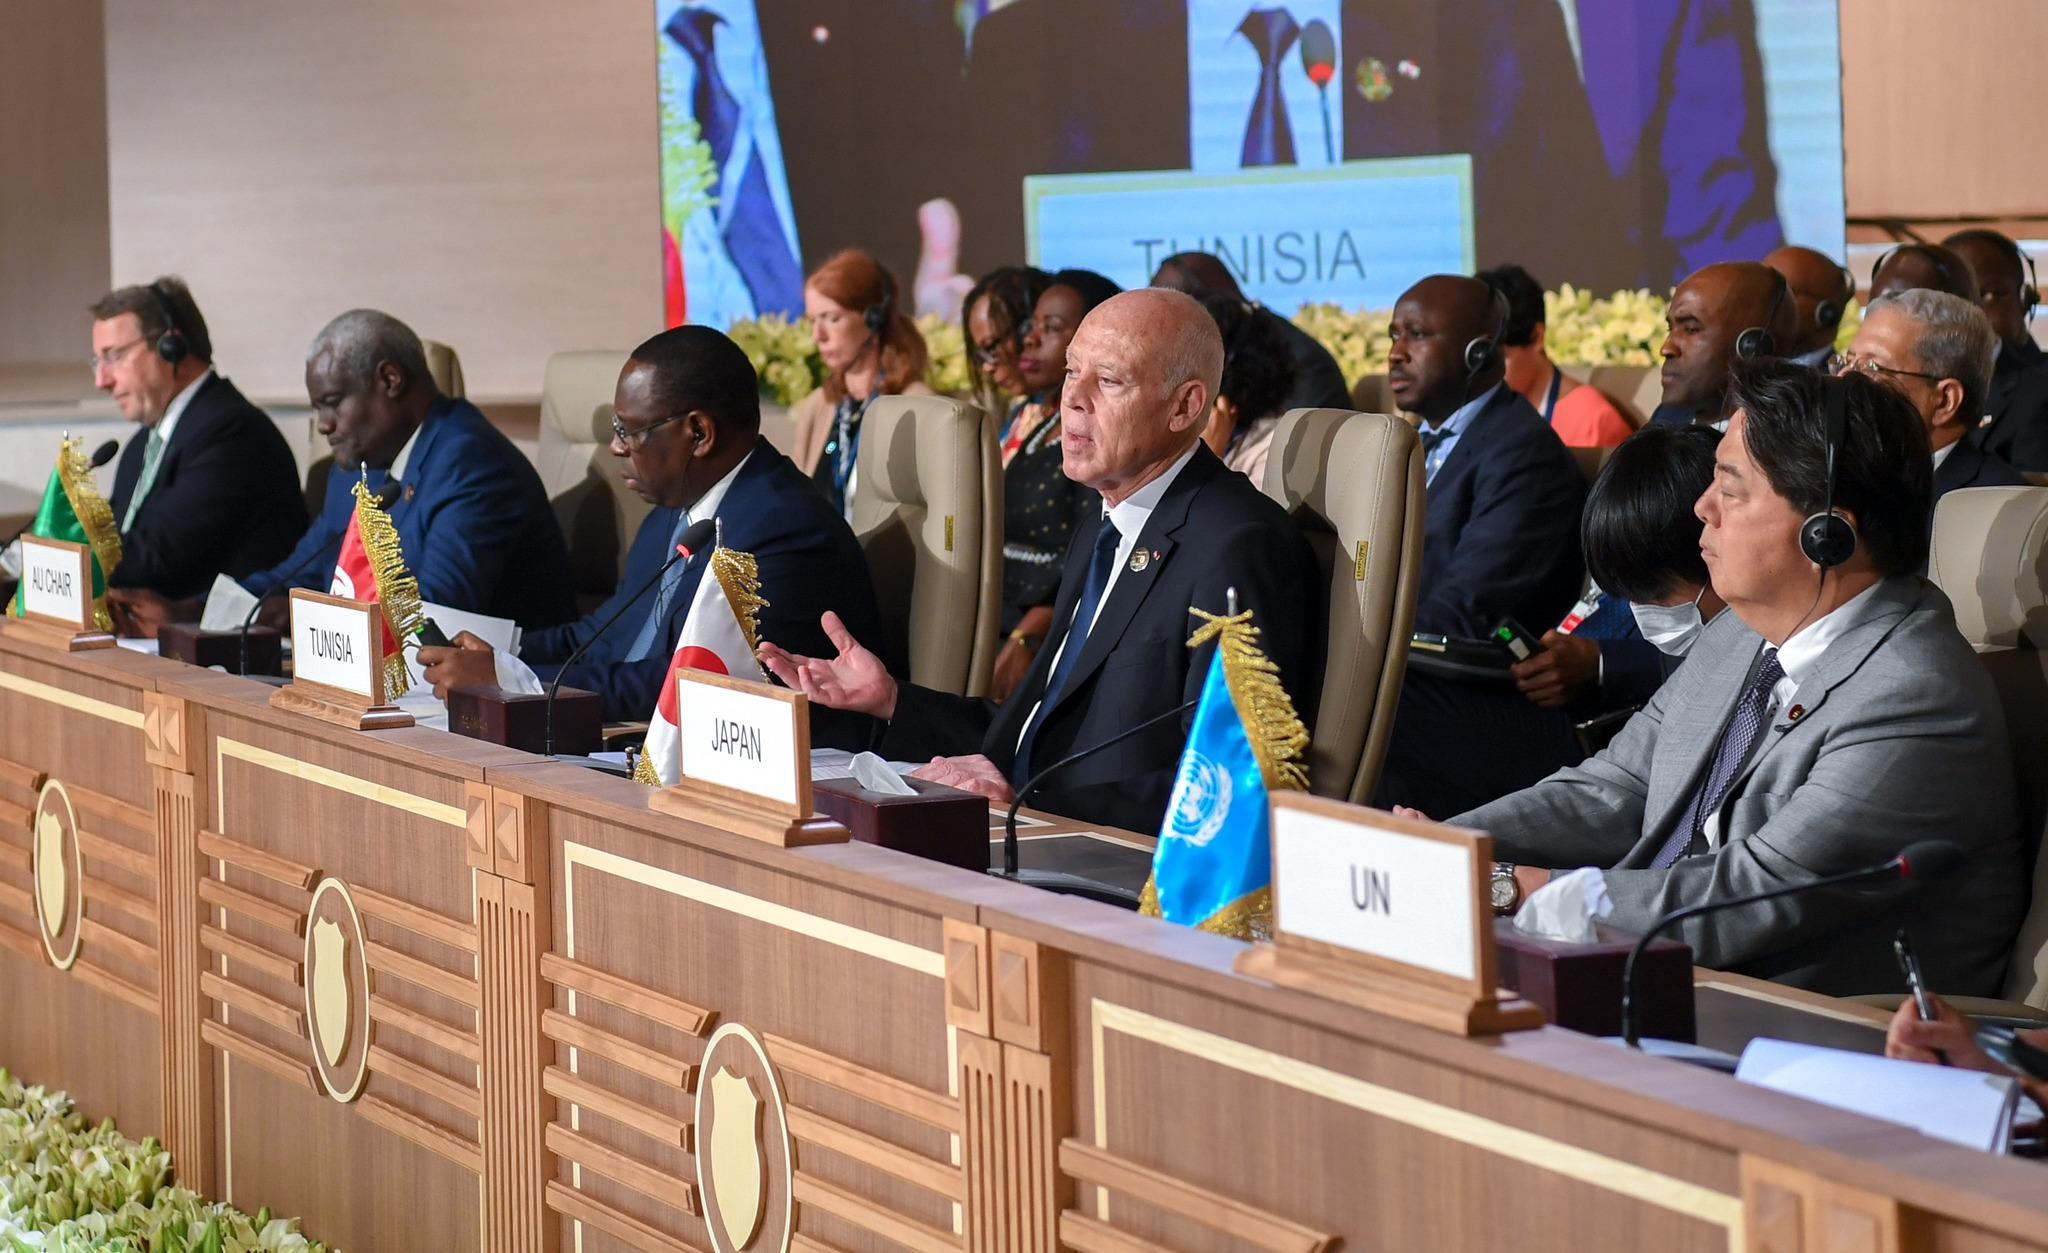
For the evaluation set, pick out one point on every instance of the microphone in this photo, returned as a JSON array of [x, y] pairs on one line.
[[692, 542], [100, 456], [385, 496], [1319, 62], [1059, 880], [1919, 862]]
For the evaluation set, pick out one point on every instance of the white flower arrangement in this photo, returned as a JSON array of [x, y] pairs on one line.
[[66, 1187]]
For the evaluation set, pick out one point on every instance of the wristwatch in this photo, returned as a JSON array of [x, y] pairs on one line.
[[1507, 893]]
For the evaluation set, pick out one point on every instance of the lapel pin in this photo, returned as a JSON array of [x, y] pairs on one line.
[[408, 491], [1795, 713], [1139, 560]]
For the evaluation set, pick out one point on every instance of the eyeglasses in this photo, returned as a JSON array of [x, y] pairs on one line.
[[633, 439], [988, 354], [1872, 369], [112, 356]]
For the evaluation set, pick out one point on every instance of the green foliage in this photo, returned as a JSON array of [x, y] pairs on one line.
[[686, 169], [66, 1187]]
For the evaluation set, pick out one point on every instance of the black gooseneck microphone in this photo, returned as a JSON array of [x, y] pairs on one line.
[[100, 456], [1920, 862], [385, 496], [692, 542], [1059, 880]]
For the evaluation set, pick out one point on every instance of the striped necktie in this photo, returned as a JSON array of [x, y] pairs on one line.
[[1738, 739]]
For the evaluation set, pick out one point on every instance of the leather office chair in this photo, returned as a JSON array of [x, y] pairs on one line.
[[1590, 460], [1636, 390], [598, 515], [1370, 394], [443, 365], [928, 510], [1354, 483], [1990, 556]]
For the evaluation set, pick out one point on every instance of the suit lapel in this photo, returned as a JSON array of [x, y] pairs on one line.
[[1686, 745]]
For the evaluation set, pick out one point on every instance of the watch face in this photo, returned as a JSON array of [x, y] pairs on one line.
[[1504, 891]]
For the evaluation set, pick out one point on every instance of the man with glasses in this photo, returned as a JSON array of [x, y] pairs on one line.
[[687, 427], [208, 485], [1935, 350]]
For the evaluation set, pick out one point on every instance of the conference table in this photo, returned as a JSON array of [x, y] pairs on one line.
[[424, 992]]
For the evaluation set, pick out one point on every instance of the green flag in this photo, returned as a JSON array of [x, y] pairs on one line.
[[74, 510]]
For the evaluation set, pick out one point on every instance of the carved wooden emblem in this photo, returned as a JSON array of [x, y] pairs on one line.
[[744, 1163], [337, 991], [59, 876]]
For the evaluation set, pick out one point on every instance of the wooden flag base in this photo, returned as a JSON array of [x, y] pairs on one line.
[[723, 808], [342, 709], [1454, 1010], [63, 639]]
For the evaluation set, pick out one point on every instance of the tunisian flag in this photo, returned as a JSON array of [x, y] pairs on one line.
[[372, 568], [718, 636]]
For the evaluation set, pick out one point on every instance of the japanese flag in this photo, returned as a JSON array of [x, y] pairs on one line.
[[713, 639]]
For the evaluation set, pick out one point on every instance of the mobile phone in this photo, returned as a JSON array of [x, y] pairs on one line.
[[432, 636], [1515, 637], [2005, 1045]]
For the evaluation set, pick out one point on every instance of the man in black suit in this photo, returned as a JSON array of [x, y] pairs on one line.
[[1935, 350], [210, 487], [2016, 406], [1318, 379], [1721, 313], [1177, 533], [1501, 535]]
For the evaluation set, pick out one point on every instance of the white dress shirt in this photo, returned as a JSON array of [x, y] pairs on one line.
[[167, 425]]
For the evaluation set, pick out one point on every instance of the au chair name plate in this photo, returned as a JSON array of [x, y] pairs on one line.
[[56, 596], [744, 751], [338, 663], [1385, 913]]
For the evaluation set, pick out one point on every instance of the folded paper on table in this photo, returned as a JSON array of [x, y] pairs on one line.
[[1966, 1107]]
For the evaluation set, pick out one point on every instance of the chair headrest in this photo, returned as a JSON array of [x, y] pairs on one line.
[[1990, 556], [445, 366], [576, 394], [890, 471]]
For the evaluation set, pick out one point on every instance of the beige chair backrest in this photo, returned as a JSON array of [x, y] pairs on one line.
[[443, 365], [1590, 461], [1354, 482], [1370, 394], [597, 513], [1990, 556], [928, 509], [1636, 390]]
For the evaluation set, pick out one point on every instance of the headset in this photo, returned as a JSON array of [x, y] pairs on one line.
[[877, 316], [1935, 255], [1485, 350], [1757, 341], [170, 345], [1827, 538], [1828, 313]]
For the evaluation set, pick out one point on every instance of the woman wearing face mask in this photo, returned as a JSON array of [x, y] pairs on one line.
[[1040, 503]]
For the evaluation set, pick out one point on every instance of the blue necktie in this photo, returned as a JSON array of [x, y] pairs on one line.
[[752, 229], [1737, 739], [650, 635], [1268, 137], [1100, 567]]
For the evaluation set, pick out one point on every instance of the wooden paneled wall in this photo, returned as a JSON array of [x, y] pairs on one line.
[[485, 170]]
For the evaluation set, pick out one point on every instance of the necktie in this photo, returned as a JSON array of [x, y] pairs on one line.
[[650, 636], [1100, 567], [1432, 442], [1737, 739], [751, 227], [152, 453], [1268, 136]]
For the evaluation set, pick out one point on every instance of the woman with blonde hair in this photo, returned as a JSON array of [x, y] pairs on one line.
[[870, 347]]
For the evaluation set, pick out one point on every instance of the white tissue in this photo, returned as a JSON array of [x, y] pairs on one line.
[[227, 604], [1564, 908], [874, 774]]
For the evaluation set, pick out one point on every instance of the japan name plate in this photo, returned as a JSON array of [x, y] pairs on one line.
[[745, 760]]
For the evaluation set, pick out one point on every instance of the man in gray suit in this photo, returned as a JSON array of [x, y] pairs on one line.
[[1834, 718]]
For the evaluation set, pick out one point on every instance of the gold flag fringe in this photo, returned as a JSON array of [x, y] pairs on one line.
[[398, 593], [1277, 738], [94, 514], [739, 576]]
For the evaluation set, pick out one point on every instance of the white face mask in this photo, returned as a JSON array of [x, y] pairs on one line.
[[1672, 628]]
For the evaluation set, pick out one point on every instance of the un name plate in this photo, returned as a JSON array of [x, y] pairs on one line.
[[745, 739], [335, 644], [1358, 879], [56, 583]]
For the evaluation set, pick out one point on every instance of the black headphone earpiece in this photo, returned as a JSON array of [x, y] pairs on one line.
[[1484, 351], [1828, 313], [1827, 538], [171, 344], [1757, 341], [877, 316]]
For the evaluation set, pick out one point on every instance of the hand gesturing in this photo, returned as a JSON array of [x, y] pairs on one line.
[[854, 680]]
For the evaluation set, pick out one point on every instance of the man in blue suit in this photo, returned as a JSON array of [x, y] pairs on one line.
[[472, 517], [688, 426]]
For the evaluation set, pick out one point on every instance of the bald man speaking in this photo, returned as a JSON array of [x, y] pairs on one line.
[[1176, 532]]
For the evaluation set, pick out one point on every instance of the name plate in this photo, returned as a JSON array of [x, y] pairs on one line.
[[56, 583], [745, 739], [1387, 914], [335, 645]]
